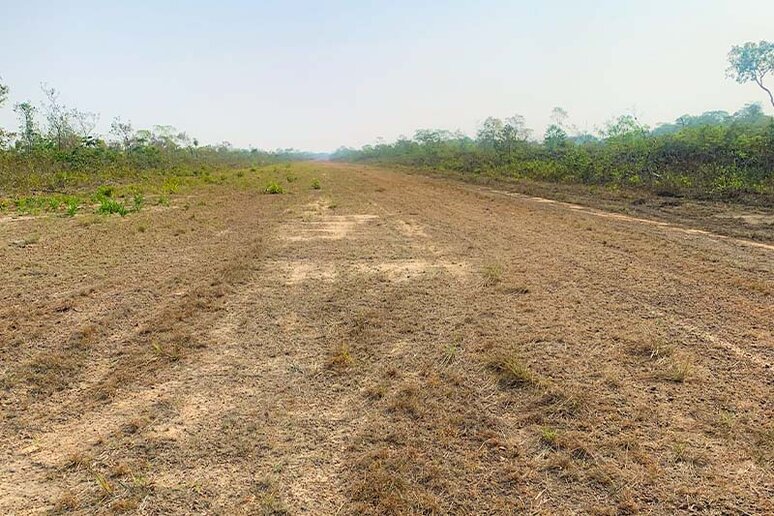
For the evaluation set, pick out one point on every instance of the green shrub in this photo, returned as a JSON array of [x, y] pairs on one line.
[[316, 184], [274, 188]]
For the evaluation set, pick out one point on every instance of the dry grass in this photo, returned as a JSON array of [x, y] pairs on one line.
[[179, 373]]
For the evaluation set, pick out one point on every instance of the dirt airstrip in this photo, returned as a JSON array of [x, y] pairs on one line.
[[388, 344]]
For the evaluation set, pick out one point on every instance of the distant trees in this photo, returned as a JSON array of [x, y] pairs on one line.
[[58, 146], [713, 154], [752, 62]]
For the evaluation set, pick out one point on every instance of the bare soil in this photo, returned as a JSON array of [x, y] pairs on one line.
[[389, 344]]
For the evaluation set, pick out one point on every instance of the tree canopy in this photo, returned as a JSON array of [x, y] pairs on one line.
[[752, 62]]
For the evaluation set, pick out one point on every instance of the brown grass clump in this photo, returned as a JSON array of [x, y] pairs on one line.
[[677, 371], [393, 483], [67, 502]]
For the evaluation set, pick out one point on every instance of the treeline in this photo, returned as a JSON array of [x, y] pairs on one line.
[[56, 148], [716, 154]]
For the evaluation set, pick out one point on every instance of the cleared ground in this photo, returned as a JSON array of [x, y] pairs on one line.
[[386, 344]]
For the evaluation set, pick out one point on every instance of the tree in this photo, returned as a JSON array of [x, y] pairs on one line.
[[491, 132], [752, 62], [28, 128], [60, 130], [123, 131], [559, 117], [625, 125], [555, 137], [3, 92]]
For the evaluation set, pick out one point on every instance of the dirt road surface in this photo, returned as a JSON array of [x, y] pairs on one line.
[[388, 344]]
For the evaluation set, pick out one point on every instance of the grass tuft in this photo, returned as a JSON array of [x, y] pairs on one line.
[[549, 436], [511, 372]]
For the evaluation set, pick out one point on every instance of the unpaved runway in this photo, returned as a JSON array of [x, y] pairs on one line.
[[336, 351]]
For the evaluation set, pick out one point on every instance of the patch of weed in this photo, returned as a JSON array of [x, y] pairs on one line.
[[108, 206], [138, 201], [72, 207]]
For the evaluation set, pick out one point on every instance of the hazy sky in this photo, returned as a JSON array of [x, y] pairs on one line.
[[317, 75]]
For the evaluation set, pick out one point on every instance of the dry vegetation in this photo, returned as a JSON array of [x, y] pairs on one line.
[[368, 342]]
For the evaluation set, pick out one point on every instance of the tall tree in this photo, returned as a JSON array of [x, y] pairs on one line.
[[28, 129], [752, 62]]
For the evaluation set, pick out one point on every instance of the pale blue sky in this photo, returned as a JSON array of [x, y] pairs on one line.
[[316, 75]]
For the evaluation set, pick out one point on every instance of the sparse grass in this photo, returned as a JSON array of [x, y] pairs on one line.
[[163, 200], [492, 274], [274, 188]]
